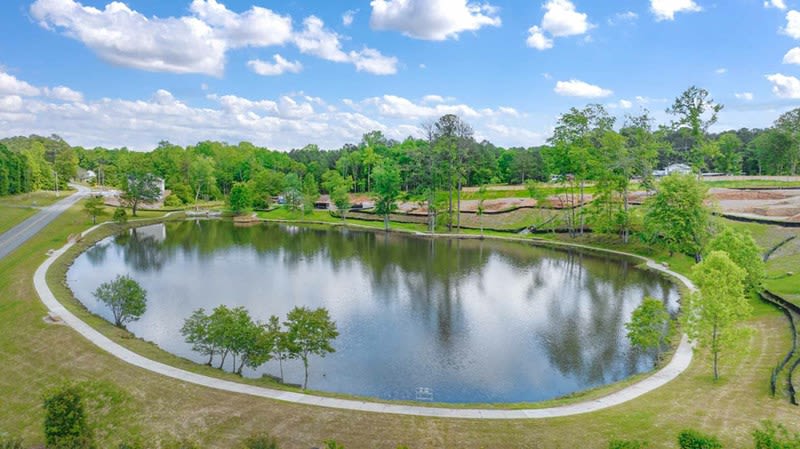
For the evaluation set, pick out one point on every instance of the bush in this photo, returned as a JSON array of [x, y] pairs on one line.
[[775, 436], [332, 444], [261, 441], [120, 215], [173, 201], [65, 425], [692, 439], [627, 444]]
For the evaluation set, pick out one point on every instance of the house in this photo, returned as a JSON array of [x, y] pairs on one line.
[[682, 169], [86, 175]]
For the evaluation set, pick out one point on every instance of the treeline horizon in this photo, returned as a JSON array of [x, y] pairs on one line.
[[447, 158]]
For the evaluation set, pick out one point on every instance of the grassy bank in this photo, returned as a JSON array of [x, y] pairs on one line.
[[15, 209], [127, 402]]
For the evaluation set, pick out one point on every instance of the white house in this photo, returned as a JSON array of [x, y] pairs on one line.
[[682, 169]]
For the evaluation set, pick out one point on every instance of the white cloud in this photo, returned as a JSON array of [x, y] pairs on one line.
[[746, 96], [792, 56], [625, 104], [666, 9], [537, 39], [792, 28], [348, 17], [64, 93], [280, 66], [316, 40], [372, 61], [399, 107], [785, 86], [777, 4], [10, 85], [197, 43], [561, 19], [577, 88], [508, 111], [623, 17], [257, 27], [434, 20], [433, 99], [721, 71]]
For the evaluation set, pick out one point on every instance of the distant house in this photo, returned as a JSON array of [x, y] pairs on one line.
[[682, 169], [86, 175]]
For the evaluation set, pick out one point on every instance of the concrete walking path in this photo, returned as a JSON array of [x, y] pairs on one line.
[[679, 363]]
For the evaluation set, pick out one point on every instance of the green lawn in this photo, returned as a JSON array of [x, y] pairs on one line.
[[16, 208], [127, 402]]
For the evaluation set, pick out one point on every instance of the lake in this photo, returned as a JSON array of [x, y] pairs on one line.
[[474, 321]]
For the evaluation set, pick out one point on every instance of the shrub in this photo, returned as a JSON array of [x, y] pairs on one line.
[[692, 439], [775, 436], [173, 201], [65, 425], [332, 444], [120, 216], [261, 441]]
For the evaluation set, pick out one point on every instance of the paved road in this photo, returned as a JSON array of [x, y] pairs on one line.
[[680, 361], [19, 234]]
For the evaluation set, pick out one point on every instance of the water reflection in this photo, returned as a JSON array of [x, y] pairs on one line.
[[476, 321]]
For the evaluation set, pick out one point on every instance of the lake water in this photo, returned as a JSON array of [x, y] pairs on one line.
[[474, 321]]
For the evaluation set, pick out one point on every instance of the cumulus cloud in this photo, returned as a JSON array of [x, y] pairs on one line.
[[785, 86], [777, 4], [746, 96], [279, 67], [10, 85], [284, 122], [792, 28], [319, 41], [666, 9], [348, 17], [792, 56], [577, 88], [561, 19], [63, 93], [197, 43], [434, 20]]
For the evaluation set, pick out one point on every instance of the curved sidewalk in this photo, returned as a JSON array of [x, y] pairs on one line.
[[680, 361]]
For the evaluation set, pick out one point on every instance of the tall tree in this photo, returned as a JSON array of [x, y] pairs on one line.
[[195, 332], [310, 193], [710, 315], [452, 136], [201, 176], [387, 189], [790, 124], [743, 251], [339, 189], [310, 332], [696, 111], [93, 206], [240, 200], [649, 326]]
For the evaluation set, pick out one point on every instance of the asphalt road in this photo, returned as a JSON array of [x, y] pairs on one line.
[[19, 234]]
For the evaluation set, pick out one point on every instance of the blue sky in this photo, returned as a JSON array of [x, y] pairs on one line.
[[282, 74]]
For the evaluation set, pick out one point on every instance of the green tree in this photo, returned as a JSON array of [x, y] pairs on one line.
[[310, 332], [201, 176], [280, 342], [692, 439], [696, 111], [339, 189], [710, 315], [120, 216], [677, 216], [240, 200], [65, 424], [293, 193], [195, 332], [649, 325], [140, 188], [387, 189], [729, 159], [66, 165], [310, 193], [126, 298], [789, 123], [743, 251], [93, 207]]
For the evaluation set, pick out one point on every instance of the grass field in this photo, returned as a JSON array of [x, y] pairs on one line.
[[128, 403], [17, 208]]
